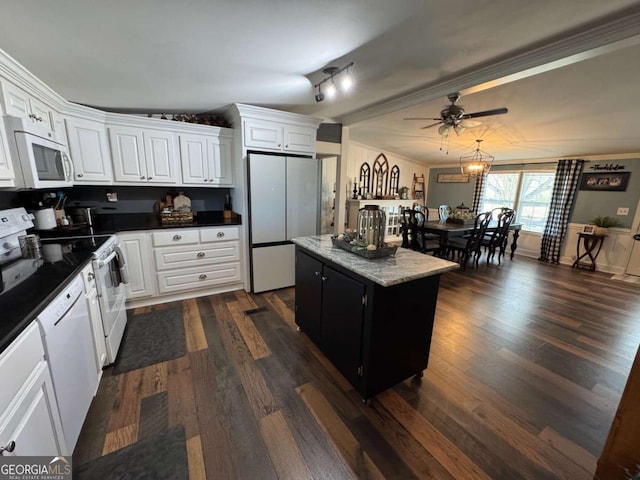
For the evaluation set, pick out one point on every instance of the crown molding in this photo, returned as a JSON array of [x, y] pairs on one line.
[[608, 34], [241, 111]]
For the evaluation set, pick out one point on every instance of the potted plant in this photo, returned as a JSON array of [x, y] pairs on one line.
[[603, 224]]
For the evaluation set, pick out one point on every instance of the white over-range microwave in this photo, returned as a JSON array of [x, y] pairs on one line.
[[38, 160]]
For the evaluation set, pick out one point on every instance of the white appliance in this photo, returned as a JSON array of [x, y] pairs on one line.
[[111, 275], [283, 204], [14, 222], [38, 160], [70, 351]]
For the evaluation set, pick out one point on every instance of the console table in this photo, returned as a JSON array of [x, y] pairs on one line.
[[591, 245]]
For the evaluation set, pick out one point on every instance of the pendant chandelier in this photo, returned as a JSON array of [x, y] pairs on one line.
[[476, 163]]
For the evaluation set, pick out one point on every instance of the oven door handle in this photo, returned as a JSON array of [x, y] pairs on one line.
[[107, 260]]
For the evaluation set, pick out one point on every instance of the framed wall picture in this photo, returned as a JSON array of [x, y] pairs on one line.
[[605, 182], [590, 229], [453, 178]]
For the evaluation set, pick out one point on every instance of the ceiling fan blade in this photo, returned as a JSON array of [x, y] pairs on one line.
[[486, 113], [470, 123], [432, 125], [420, 118]]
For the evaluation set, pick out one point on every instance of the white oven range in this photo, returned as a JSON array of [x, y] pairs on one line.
[[111, 275]]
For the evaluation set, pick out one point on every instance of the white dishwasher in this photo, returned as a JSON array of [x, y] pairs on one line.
[[70, 350]]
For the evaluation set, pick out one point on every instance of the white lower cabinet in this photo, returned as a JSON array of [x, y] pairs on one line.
[[136, 247], [191, 259], [29, 414]]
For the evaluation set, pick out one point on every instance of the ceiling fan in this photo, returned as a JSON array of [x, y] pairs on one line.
[[454, 117]]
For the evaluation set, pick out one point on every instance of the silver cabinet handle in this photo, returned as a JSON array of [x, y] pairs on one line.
[[177, 237], [141, 178], [317, 273], [286, 146], [150, 178], [202, 276], [32, 116], [220, 234], [279, 144], [200, 254], [90, 276], [324, 278], [9, 447], [80, 175]]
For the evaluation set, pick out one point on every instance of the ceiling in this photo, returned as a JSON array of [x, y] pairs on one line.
[[568, 71]]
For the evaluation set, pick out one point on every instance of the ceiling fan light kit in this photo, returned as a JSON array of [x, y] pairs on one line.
[[331, 89], [453, 117], [476, 163]]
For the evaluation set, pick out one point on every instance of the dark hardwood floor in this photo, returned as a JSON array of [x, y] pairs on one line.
[[526, 369]]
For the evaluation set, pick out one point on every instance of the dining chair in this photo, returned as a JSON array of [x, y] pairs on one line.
[[413, 234], [496, 238], [468, 246]]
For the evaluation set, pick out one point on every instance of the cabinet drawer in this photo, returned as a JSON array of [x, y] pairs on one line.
[[218, 234], [194, 256], [175, 237], [18, 361], [199, 277]]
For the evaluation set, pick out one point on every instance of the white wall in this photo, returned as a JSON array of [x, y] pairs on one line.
[[358, 153]]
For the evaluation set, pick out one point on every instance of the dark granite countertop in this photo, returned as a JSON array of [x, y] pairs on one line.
[[122, 222], [22, 300]]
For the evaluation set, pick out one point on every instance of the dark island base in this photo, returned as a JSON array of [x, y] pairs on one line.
[[375, 336]]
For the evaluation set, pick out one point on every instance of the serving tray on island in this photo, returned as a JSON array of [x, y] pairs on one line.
[[385, 251]]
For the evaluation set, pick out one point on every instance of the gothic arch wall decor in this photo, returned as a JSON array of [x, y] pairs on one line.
[[394, 180], [380, 176], [365, 178]]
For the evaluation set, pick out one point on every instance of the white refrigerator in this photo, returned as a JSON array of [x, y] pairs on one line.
[[283, 204]]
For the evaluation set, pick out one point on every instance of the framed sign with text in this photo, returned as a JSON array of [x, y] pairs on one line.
[[453, 178]]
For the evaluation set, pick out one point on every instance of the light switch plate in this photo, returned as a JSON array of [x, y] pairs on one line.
[[622, 211], [112, 197]]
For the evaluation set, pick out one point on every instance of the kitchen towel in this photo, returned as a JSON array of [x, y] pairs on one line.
[[122, 265], [151, 338]]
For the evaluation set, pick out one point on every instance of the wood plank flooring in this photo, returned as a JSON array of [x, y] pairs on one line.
[[526, 369]]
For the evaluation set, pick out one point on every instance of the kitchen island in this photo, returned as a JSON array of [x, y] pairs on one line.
[[374, 318]]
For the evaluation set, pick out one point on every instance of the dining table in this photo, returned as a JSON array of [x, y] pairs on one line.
[[447, 230]]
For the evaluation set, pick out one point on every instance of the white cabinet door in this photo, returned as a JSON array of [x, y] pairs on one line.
[[160, 156], [16, 100], [7, 175], [302, 197], [193, 156], [89, 151], [264, 135], [299, 139], [220, 161], [267, 188], [137, 251], [20, 104], [33, 422], [127, 152]]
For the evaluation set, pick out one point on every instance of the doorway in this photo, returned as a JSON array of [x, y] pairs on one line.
[[328, 178], [633, 266]]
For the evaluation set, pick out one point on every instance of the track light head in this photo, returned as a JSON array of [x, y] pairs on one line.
[[319, 96]]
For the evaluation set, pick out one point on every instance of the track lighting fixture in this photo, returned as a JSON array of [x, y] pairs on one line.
[[331, 89]]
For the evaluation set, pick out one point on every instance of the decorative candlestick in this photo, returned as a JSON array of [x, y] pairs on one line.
[[355, 191]]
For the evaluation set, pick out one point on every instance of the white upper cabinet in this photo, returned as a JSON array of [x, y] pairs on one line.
[[19, 103], [161, 156], [299, 139], [263, 135], [279, 137], [206, 160], [142, 155], [7, 175], [89, 151]]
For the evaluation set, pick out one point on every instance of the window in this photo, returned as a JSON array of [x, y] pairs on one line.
[[527, 192]]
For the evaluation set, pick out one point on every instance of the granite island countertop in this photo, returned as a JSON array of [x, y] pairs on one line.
[[405, 266]]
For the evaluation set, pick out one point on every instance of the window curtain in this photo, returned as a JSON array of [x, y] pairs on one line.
[[564, 192], [478, 191]]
